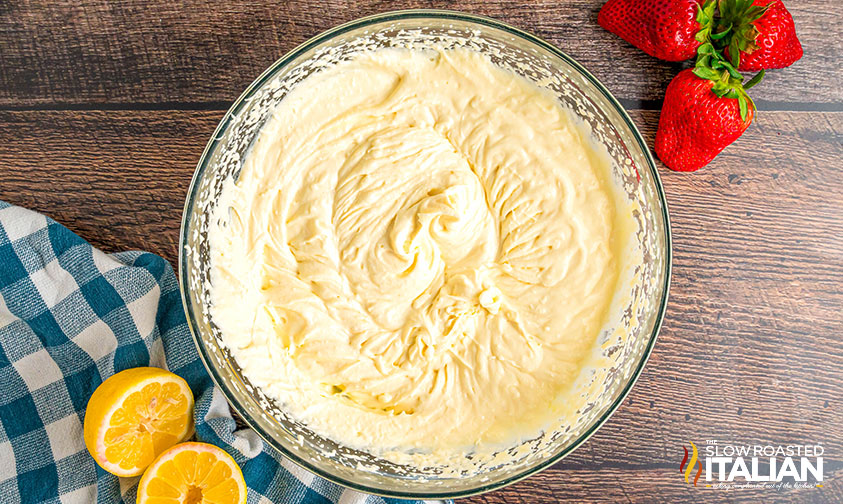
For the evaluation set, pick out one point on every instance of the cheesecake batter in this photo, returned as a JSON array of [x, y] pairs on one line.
[[418, 253]]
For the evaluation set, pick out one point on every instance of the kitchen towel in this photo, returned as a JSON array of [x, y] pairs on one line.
[[71, 316]]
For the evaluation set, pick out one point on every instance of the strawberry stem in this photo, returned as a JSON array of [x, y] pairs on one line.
[[754, 80]]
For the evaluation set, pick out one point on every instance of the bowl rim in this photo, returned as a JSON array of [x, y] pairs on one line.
[[437, 14]]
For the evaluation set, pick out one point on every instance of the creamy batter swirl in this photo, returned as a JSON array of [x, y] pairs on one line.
[[418, 253]]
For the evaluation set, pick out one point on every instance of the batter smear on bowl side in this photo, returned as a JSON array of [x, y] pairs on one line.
[[418, 253]]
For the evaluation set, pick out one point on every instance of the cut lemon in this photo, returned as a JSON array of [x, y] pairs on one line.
[[191, 473], [136, 415]]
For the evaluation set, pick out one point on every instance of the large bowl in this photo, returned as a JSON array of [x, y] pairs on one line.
[[639, 305]]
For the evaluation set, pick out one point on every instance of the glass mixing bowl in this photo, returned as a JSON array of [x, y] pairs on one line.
[[639, 303]]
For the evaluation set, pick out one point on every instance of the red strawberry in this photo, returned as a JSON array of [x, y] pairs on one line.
[[667, 29], [762, 34], [704, 111]]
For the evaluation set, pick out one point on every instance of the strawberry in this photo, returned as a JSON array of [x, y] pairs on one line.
[[704, 111], [667, 29], [762, 34]]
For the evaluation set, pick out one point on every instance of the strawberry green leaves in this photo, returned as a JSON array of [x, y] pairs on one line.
[[721, 34], [711, 64], [705, 18], [739, 16]]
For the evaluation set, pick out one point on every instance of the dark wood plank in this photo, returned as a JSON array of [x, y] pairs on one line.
[[55, 53], [751, 348], [117, 178]]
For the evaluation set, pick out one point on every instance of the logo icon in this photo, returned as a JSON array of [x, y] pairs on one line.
[[694, 460]]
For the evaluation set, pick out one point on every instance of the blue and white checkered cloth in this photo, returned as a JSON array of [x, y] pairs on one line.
[[71, 316]]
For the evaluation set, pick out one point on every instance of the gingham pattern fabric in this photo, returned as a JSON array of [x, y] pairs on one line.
[[71, 316]]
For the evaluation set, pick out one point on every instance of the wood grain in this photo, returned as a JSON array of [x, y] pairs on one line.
[[750, 351], [204, 53], [118, 179]]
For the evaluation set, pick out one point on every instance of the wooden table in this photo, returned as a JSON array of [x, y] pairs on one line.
[[106, 106]]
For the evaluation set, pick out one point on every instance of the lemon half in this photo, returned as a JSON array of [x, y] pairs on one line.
[[134, 416], [191, 473]]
